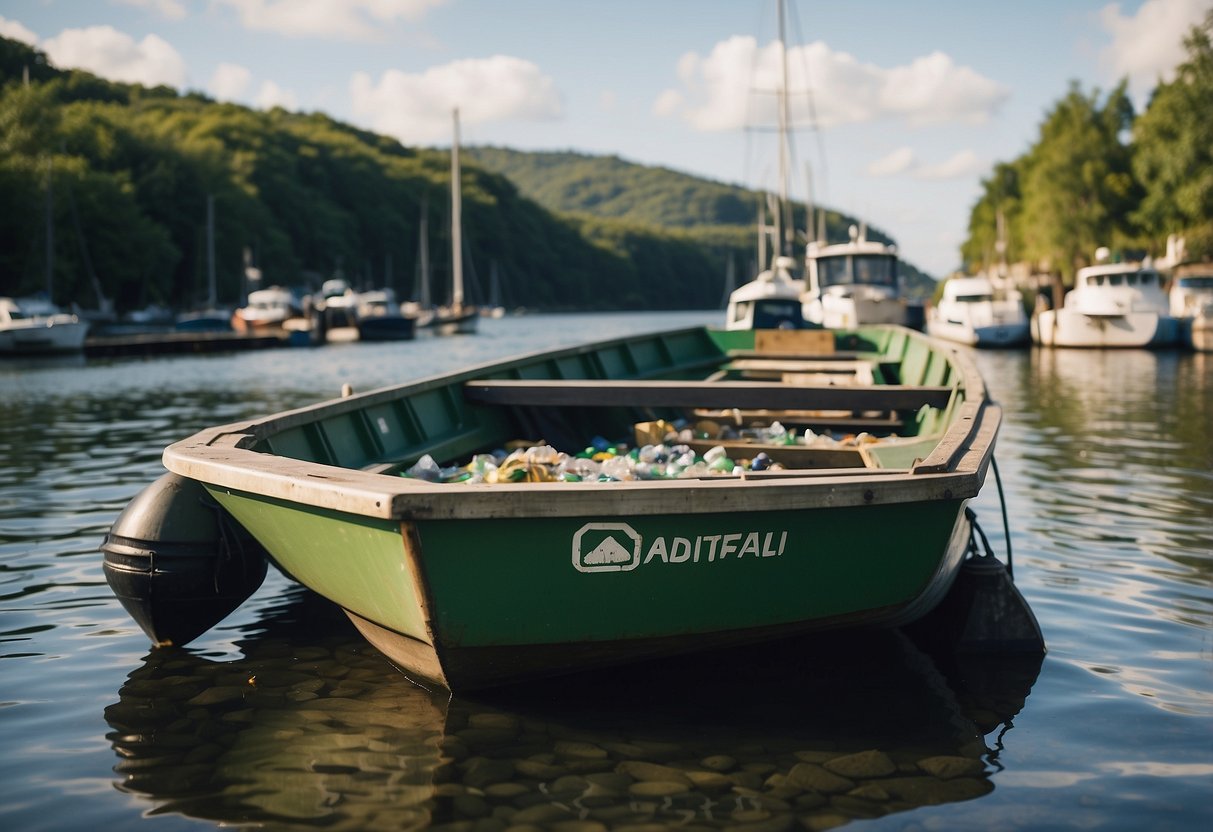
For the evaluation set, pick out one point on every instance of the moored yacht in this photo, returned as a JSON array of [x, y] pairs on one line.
[[972, 312], [1191, 297], [1111, 305], [267, 310], [29, 327], [853, 283], [769, 301]]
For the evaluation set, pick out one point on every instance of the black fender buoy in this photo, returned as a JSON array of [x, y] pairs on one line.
[[178, 562], [983, 613]]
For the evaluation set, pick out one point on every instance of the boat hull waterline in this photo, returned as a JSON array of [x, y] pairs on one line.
[[466, 585]]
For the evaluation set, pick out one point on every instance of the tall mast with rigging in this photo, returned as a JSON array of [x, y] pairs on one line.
[[456, 223]]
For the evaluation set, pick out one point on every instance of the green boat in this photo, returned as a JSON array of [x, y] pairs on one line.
[[473, 583]]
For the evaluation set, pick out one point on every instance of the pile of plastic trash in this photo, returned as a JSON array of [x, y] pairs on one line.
[[599, 462], [670, 457]]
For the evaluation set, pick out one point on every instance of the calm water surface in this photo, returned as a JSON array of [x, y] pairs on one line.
[[282, 717]]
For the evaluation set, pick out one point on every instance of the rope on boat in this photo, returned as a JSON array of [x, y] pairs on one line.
[[1006, 526], [975, 529], [229, 544]]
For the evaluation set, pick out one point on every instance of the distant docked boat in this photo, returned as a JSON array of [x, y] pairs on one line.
[[267, 310], [770, 301], [336, 308], [458, 318], [380, 318], [467, 575], [32, 327], [1111, 305], [1191, 302], [855, 283], [969, 312]]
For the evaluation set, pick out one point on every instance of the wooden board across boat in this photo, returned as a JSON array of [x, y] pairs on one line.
[[467, 585]]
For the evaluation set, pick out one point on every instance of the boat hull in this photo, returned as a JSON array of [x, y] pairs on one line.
[[386, 328], [993, 335], [43, 335], [468, 604], [461, 323], [1071, 328]]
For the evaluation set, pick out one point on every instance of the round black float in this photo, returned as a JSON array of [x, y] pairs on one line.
[[178, 563]]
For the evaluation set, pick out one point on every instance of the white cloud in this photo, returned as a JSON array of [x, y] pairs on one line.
[[172, 9], [934, 89], [903, 160], [899, 161], [271, 95], [354, 19], [1147, 46], [229, 82], [14, 30], [964, 163], [416, 108], [719, 88], [115, 55], [667, 103], [608, 100]]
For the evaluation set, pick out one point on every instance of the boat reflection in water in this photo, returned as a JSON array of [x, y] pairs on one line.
[[313, 728]]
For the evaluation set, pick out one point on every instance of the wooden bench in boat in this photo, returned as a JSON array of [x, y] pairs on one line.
[[873, 421], [705, 394]]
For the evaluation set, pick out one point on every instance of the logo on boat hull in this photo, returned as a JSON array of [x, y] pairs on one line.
[[606, 547], [617, 547]]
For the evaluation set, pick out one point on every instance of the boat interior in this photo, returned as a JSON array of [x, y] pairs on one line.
[[888, 386]]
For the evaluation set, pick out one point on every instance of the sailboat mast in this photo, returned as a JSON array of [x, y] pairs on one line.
[[50, 233], [212, 298], [423, 291], [784, 219], [456, 223]]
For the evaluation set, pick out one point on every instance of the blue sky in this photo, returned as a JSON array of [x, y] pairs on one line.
[[914, 102]]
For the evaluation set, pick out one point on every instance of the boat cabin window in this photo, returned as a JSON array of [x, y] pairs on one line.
[[740, 311], [870, 269], [778, 314], [1116, 279], [1197, 282], [974, 298]]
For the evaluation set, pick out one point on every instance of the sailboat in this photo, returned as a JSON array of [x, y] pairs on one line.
[[772, 300], [33, 325], [458, 317], [210, 318], [495, 309]]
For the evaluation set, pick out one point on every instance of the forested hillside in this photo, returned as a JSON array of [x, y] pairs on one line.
[[119, 176], [609, 187]]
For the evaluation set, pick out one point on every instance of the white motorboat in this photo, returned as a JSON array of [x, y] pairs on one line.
[[770, 301], [853, 284], [1111, 305], [1191, 298], [31, 327], [972, 312], [267, 309]]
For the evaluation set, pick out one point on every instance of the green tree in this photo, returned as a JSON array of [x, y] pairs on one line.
[[1174, 151], [1078, 187], [997, 210]]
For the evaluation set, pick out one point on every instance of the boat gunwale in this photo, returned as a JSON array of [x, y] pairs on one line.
[[223, 457]]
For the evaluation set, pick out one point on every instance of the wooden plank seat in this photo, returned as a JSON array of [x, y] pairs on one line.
[[801, 371], [879, 422], [790, 456], [711, 394]]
